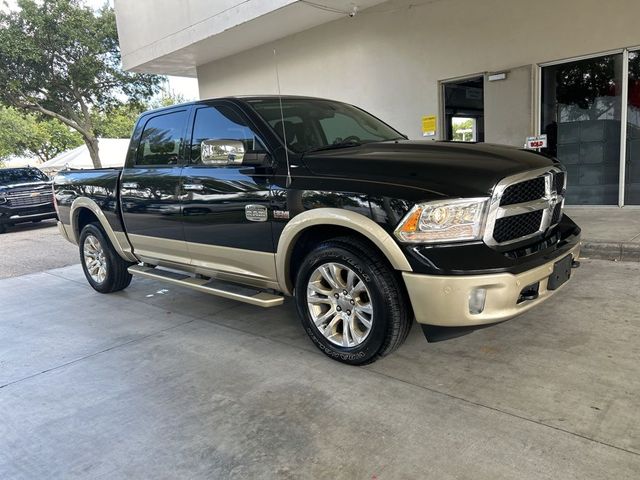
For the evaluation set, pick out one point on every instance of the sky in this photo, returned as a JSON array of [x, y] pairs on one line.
[[184, 86]]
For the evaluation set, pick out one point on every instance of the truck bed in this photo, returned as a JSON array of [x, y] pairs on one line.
[[99, 185]]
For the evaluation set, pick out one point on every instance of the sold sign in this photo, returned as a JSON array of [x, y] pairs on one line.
[[533, 143]]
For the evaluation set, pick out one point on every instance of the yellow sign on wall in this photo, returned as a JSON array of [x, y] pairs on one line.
[[429, 125]]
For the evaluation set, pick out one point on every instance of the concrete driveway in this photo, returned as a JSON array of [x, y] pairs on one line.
[[161, 382], [34, 247]]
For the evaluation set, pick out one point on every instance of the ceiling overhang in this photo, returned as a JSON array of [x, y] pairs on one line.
[[248, 24]]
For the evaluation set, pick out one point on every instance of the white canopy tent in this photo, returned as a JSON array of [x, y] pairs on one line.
[[113, 152], [18, 162]]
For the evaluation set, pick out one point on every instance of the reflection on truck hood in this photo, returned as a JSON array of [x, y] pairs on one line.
[[445, 168]]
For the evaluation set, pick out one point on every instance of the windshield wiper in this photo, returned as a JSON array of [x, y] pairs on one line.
[[333, 146]]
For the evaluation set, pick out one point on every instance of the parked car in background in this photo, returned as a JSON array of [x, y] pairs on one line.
[[25, 196], [255, 198]]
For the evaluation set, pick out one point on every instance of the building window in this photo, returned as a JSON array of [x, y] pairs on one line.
[[632, 170], [581, 115]]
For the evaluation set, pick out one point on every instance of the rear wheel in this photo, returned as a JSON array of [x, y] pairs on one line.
[[104, 269], [350, 302]]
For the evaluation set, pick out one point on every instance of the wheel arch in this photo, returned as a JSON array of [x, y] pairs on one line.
[[338, 220], [83, 211]]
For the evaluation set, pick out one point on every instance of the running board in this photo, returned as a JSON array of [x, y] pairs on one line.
[[212, 287]]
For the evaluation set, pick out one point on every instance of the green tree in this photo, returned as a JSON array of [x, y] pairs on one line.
[[462, 130], [26, 134], [117, 122], [166, 99], [61, 59]]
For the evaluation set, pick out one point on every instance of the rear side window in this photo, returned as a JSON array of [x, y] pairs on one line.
[[222, 123], [162, 140]]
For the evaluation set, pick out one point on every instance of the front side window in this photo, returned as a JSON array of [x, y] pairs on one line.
[[161, 141], [315, 124], [221, 124]]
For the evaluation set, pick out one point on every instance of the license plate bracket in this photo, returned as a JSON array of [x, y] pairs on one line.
[[561, 272]]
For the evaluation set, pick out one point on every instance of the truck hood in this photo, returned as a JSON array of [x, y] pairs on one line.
[[445, 169], [24, 186]]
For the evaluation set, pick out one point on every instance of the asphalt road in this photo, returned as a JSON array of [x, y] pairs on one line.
[[34, 247]]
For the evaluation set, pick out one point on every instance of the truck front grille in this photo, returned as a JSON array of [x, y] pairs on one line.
[[30, 199], [524, 206], [524, 192], [517, 226], [557, 214]]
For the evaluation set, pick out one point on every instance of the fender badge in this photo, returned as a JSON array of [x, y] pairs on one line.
[[281, 214], [255, 213]]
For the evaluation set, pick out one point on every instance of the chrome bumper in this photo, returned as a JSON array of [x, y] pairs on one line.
[[444, 300]]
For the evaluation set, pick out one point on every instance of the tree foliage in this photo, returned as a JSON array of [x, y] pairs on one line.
[[26, 134], [61, 59], [118, 121]]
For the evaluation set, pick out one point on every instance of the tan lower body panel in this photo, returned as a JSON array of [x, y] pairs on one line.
[[67, 233], [444, 300], [231, 264]]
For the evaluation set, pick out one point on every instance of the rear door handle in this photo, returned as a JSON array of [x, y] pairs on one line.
[[194, 187], [131, 185]]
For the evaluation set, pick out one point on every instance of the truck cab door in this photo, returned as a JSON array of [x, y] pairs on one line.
[[226, 203], [151, 188]]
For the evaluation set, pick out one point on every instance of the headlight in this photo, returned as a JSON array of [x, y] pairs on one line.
[[443, 221]]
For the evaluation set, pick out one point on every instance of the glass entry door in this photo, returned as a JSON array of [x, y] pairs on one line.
[[632, 167], [464, 110], [581, 115]]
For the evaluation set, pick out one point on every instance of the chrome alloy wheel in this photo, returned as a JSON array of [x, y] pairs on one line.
[[94, 259], [339, 304]]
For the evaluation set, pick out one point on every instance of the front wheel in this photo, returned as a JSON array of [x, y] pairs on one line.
[[104, 269], [350, 302]]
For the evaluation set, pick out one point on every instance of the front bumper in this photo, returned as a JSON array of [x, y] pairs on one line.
[[13, 215], [444, 300]]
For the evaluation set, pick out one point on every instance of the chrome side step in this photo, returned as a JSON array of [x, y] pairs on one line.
[[210, 286]]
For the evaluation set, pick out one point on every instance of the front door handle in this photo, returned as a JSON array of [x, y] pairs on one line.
[[194, 187], [130, 185]]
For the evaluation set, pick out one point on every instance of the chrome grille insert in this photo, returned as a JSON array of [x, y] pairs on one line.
[[30, 199], [525, 205]]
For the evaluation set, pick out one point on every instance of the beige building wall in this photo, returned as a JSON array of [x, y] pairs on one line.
[[389, 59]]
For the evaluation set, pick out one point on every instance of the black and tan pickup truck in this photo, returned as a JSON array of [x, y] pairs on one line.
[[260, 198]]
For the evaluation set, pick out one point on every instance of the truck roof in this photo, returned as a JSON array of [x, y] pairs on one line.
[[242, 98]]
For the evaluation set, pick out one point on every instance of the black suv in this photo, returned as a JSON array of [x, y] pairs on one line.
[[25, 196]]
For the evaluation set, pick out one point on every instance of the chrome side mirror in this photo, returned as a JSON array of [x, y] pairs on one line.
[[221, 152]]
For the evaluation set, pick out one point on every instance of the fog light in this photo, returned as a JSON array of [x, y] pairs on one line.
[[476, 300]]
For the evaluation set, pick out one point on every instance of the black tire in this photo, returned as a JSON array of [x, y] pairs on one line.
[[117, 276], [3, 228], [392, 316]]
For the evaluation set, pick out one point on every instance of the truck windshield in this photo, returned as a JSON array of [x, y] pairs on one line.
[[21, 175], [315, 124]]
